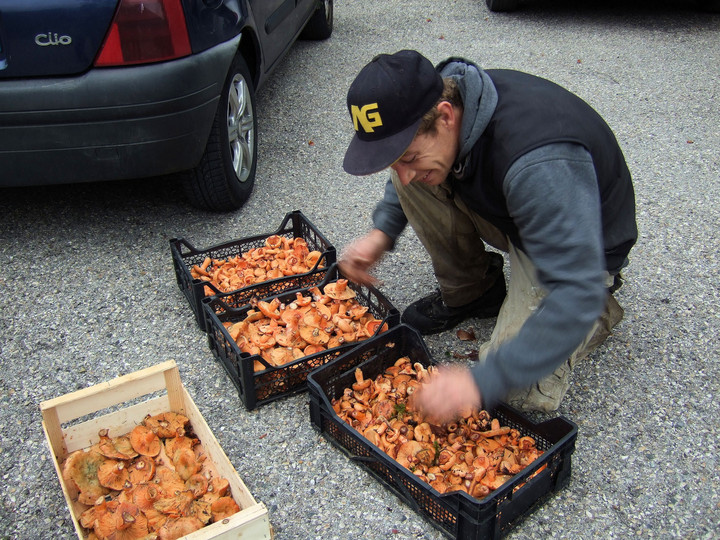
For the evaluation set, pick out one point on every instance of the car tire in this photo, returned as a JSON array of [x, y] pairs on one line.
[[320, 24], [502, 5], [224, 178]]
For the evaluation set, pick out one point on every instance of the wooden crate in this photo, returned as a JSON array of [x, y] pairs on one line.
[[163, 380]]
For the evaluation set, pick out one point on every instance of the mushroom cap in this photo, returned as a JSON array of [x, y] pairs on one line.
[[202, 510], [198, 484], [145, 495], [270, 309], [372, 326], [415, 451], [179, 527], [217, 487], [274, 241], [175, 505], [224, 507], [168, 480], [101, 506], [145, 441], [115, 447], [289, 338], [141, 470], [186, 463], [423, 432], [113, 474], [338, 290], [81, 468], [280, 356], [312, 349], [168, 424], [313, 335], [176, 443]]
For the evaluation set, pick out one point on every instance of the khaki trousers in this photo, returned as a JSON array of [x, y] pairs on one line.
[[455, 237]]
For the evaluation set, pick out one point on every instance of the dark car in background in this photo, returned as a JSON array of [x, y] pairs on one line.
[[711, 6], [97, 90]]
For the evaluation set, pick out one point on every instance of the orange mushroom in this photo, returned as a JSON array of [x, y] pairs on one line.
[[155, 518], [115, 447], [270, 309], [312, 258], [126, 522], [217, 487], [198, 484], [274, 241], [176, 505], [144, 441], [176, 443], [372, 326], [81, 469], [281, 356], [168, 480], [141, 470], [186, 463], [179, 527], [224, 507], [95, 512], [169, 424], [113, 474], [145, 495], [202, 510], [339, 290], [413, 453], [313, 335]]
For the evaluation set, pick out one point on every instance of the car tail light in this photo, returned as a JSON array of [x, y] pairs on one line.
[[145, 31]]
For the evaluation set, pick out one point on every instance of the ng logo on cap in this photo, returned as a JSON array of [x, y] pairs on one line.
[[367, 116]]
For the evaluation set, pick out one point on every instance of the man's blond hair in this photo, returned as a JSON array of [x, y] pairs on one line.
[[451, 94]]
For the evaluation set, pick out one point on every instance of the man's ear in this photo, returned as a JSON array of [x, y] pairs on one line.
[[448, 115]]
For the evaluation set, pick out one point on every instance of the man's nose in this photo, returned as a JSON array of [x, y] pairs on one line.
[[405, 173]]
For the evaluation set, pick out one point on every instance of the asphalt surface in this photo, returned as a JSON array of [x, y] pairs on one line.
[[88, 292]]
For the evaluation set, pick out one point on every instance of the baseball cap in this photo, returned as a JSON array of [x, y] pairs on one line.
[[387, 101]]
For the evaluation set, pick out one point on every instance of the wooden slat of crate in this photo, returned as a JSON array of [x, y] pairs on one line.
[[251, 522]]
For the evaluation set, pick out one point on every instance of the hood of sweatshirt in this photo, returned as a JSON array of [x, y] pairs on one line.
[[479, 101]]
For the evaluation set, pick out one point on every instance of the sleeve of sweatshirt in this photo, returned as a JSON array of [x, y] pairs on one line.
[[388, 215], [552, 196]]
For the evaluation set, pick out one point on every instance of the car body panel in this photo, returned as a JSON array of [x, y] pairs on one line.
[[141, 128], [47, 37], [279, 17], [110, 123]]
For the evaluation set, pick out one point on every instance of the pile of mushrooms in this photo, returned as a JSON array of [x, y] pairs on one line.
[[281, 333], [473, 454], [153, 483], [279, 257]]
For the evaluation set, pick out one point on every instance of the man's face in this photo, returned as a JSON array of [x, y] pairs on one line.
[[430, 156]]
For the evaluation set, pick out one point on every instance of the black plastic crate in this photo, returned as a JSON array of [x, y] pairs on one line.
[[258, 388], [456, 514], [294, 225]]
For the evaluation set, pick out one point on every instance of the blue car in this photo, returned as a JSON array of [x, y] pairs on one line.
[[94, 90]]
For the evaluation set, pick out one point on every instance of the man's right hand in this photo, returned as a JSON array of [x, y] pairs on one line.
[[358, 258]]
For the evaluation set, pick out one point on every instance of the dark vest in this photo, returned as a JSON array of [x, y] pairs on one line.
[[532, 112]]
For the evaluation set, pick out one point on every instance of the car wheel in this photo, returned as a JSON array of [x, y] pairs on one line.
[[502, 5], [224, 178], [320, 25]]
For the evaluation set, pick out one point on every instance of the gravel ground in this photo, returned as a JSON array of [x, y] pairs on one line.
[[89, 292]]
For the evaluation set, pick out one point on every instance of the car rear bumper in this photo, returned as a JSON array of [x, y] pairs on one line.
[[111, 124]]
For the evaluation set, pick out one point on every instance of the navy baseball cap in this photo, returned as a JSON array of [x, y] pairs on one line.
[[387, 101]]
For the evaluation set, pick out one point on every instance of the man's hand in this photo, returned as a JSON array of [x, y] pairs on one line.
[[450, 391], [361, 255]]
